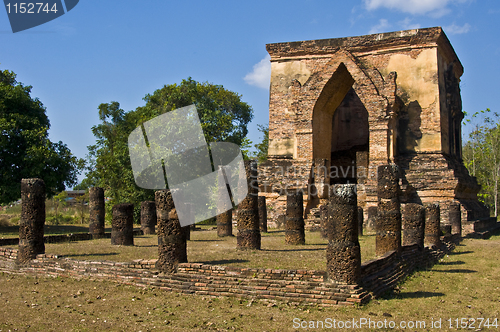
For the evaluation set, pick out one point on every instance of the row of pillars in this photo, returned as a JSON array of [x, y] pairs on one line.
[[340, 221], [420, 224]]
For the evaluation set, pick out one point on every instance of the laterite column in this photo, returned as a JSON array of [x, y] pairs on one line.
[[148, 217], [225, 224], [323, 217], [455, 219], [172, 248], [32, 219], [413, 225], [360, 221], [187, 232], [248, 213], [388, 222], [96, 212], [225, 219], [294, 224], [343, 255], [122, 225], [432, 225], [262, 213]]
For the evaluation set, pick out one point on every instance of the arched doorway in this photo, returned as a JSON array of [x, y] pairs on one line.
[[350, 137]]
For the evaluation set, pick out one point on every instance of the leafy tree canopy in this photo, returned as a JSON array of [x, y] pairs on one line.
[[223, 117], [481, 155], [25, 150]]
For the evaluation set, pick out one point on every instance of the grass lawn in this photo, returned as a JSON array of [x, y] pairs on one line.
[[206, 247], [465, 284]]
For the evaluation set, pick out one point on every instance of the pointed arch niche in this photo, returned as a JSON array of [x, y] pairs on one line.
[[340, 128]]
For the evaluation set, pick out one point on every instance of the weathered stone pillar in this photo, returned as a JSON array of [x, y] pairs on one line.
[[225, 219], [97, 212], [148, 217], [32, 219], [455, 219], [225, 224], [372, 217], [187, 232], [248, 213], [262, 213], [413, 225], [323, 215], [432, 225], [172, 248], [122, 225], [360, 221], [294, 225], [343, 255], [388, 223]]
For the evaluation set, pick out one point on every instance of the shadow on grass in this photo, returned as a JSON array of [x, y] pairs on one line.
[[456, 271], [96, 254], [287, 250], [224, 261], [418, 295], [218, 240], [461, 252], [452, 263]]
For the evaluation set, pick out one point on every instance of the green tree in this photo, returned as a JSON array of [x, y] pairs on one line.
[[263, 146], [223, 117], [25, 150], [481, 154], [82, 203], [59, 200]]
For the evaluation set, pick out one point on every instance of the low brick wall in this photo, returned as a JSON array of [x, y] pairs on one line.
[[300, 286], [383, 274]]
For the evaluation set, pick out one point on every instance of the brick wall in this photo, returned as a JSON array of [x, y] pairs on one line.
[[301, 286]]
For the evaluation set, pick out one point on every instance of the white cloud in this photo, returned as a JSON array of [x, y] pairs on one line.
[[456, 29], [382, 26], [407, 24], [261, 74], [435, 8]]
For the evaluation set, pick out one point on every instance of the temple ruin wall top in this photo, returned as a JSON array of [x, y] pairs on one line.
[[369, 44]]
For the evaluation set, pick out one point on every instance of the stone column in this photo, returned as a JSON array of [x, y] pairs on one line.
[[187, 232], [96, 212], [360, 221], [388, 222], [323, 215], [172, 248], [294, 225], [122, 225], [372, 217], [225, 224], [32, 219], [262, 213], [148, 217], [432, 225], [343, 255], [455, 219], [248, 213], [413, 225]]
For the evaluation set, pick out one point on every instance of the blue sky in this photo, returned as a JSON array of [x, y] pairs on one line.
[[121, 50]]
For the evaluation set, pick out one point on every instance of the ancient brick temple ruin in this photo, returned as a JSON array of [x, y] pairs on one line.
[[339, 108]]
